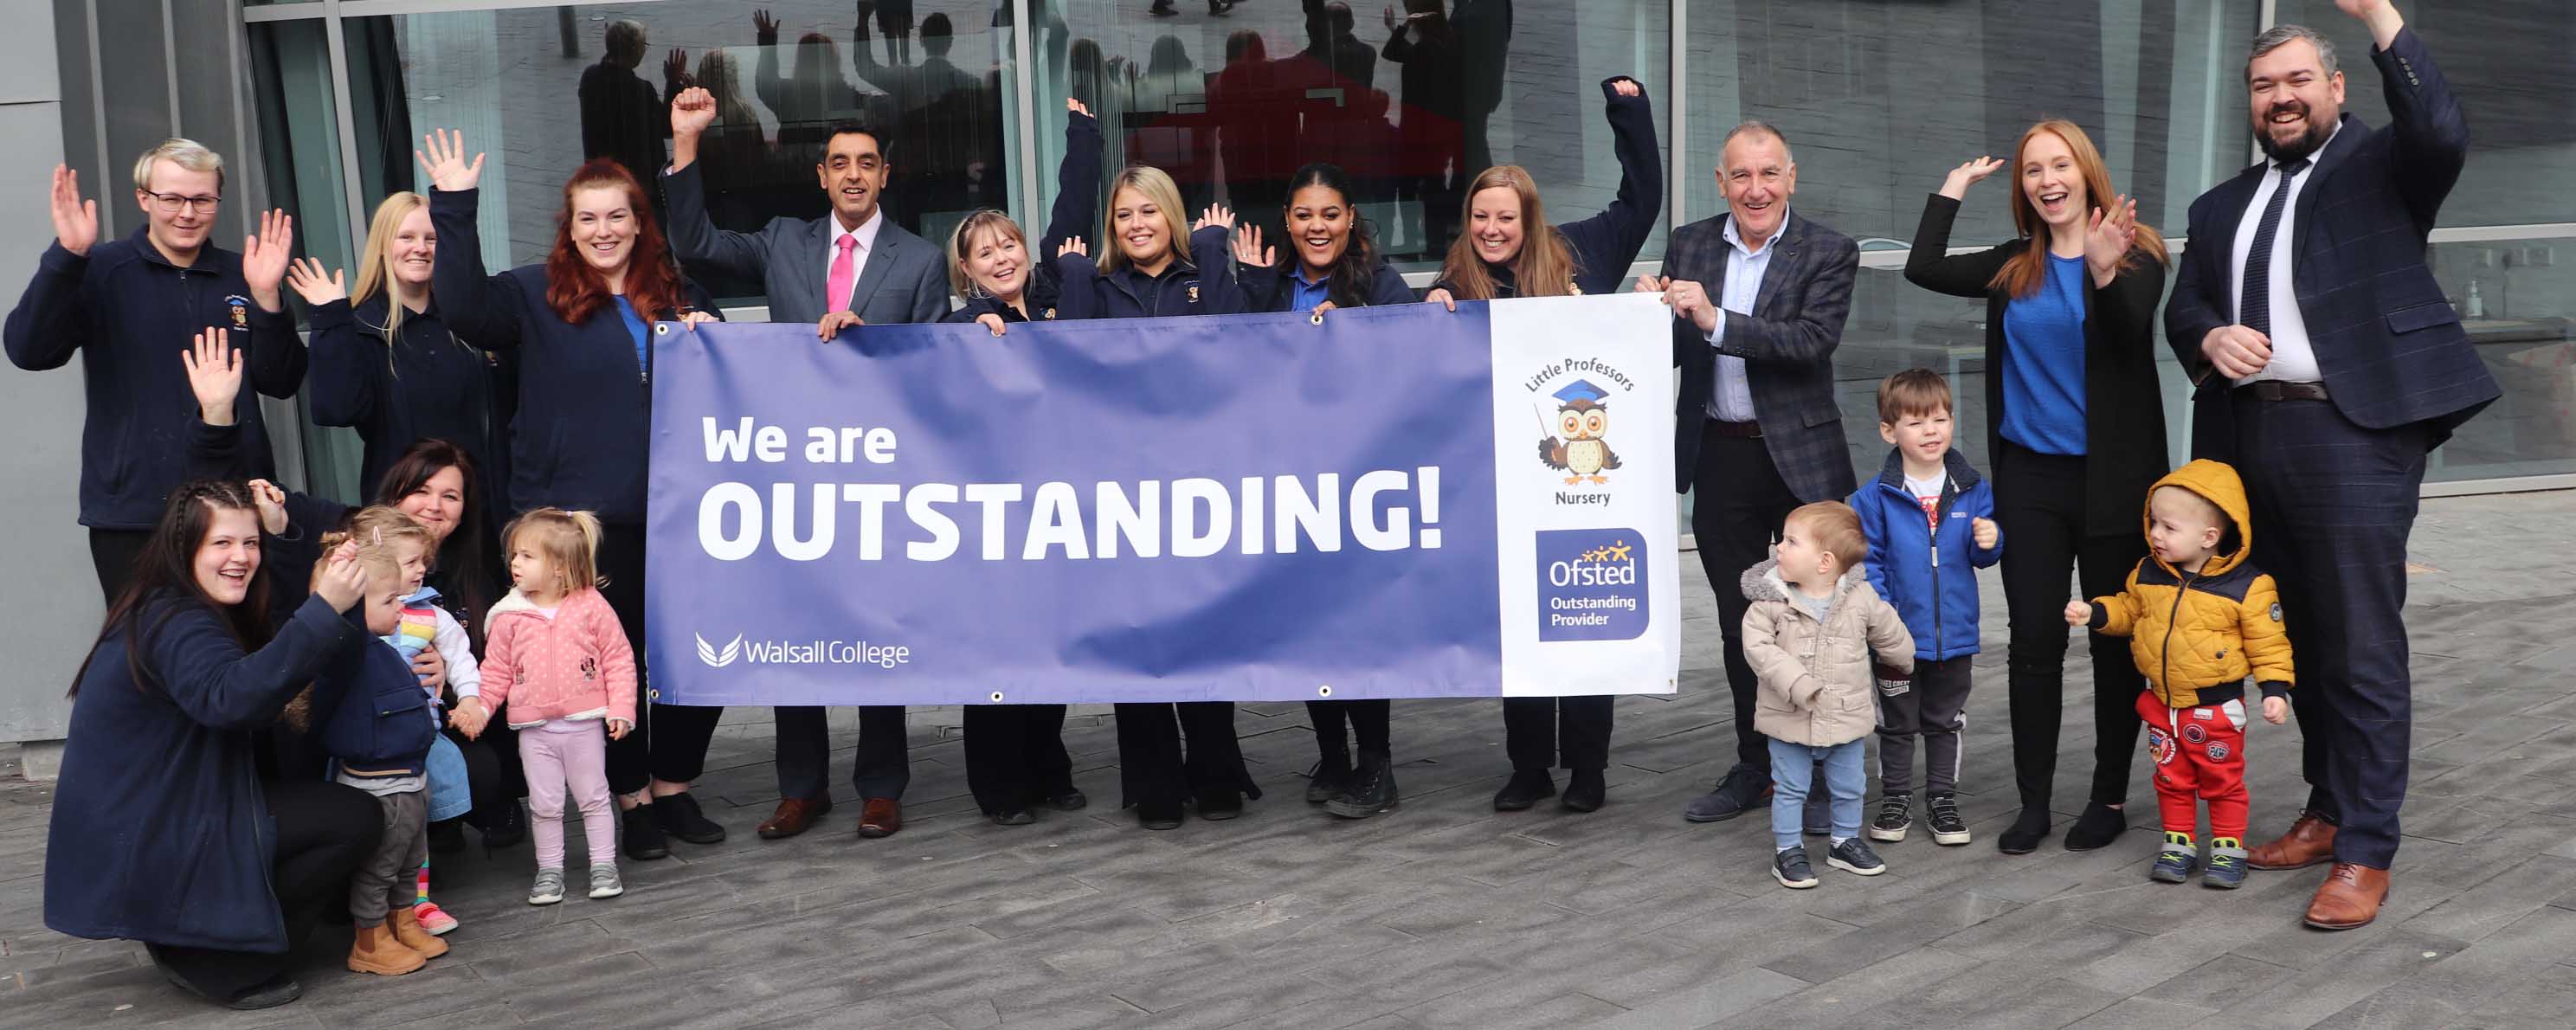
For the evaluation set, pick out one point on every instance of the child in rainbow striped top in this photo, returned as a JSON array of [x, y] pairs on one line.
[[424, 626]]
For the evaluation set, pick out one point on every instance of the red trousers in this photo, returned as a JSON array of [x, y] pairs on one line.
[[2199, 755]]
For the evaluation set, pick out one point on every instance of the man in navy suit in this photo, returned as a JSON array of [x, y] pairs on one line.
[[851, 267], [1759, 295], [2329, 366]]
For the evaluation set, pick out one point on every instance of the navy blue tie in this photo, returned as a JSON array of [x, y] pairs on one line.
[[2254, 305]]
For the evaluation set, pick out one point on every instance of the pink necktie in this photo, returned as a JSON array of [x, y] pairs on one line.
[[845, 273]]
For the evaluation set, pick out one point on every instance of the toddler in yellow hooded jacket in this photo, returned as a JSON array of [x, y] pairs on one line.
[[2200, 619]]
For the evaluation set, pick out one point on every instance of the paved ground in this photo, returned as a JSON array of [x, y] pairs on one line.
[[1449, 914]]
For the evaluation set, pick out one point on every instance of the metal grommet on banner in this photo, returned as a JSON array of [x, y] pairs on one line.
[[997, 697], [1318, 318], [1324, 691], [661, 328]]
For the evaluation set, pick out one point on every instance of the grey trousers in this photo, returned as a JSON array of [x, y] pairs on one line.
[[388, 878], [1935, 709]]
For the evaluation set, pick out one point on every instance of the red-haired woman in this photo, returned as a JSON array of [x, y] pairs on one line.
[[582, 325], [2076, 432]]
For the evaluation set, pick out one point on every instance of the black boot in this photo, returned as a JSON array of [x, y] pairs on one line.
[[1370, 790], [643, 839], [1220, 804], [1527, 787], [1332, 772], [1585, 791], [508, 827]]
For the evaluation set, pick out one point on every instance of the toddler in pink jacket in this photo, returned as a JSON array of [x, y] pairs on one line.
[[558, 668]]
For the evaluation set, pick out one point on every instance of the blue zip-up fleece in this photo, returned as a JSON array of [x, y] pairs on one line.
[[579, 437], [1931, 581], [130, 313]]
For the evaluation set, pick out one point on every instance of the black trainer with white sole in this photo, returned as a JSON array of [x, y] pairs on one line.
[[1947, 827], [1789, 866], [1854, 856], [1895, 816]]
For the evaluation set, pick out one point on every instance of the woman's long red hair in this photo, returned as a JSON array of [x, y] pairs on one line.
[[575, 290], [2022, 275]]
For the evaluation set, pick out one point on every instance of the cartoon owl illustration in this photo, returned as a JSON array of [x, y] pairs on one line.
[[1583, 420]]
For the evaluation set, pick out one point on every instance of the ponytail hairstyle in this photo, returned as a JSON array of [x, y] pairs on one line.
[[375, 267], [2023, 273], [568, 539], [968, 235], [1545, 266], [1159, 190], [576, 291], [1351, 272], [163, 581]]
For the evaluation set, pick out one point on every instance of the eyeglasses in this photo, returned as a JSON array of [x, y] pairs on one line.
[[170, 203]]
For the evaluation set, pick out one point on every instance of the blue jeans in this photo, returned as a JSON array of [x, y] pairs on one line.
[[1792, 765]]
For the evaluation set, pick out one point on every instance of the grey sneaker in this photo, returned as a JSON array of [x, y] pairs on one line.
[[1895, 816], [1854, 856], [1789, 866], [603, 882], [548, 889]]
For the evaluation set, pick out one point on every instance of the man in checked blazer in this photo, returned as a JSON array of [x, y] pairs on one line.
[[2329, 366], [1758, 297], [851, 267]]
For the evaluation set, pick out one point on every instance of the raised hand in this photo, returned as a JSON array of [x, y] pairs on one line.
[[344, 578], [444, 160], [75, 220], [692, 111], [1249, 251], [214, 375], [1217, 215], [271, 503], [304, 276], [1076, 107], [675, 68], [2236, 351], [2108, 235], [1627, 87], [764, 29], [1968, 174], [1073, 245], [264, 257]]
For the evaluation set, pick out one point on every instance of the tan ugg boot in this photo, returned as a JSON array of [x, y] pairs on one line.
[[406, 927], [377, 951]]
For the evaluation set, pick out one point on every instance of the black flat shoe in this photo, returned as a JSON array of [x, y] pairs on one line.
[[1219, 806], [2099, 825], [2024, 835], [1585, 791], [1069, 801], [1014, 817], [1159, 815], [643, 840], [681, 817], [1526, 787]]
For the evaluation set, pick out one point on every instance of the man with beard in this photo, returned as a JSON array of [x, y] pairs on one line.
[[2329, 366]]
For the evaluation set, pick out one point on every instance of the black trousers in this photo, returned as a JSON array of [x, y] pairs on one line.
[[1154, 766], [112, 553], [492, 772], [1539, 731], [1738, 502], [323, 831], [1372, 721], [670, 741], [1934, 707], [883, 767], [2333, 505], [1015, 756], [2039, 505]]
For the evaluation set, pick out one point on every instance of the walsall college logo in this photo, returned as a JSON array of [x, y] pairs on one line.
[[719, 657], [1591, 584]]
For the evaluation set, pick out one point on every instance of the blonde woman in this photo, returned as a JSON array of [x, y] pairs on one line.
[[1147, 268]]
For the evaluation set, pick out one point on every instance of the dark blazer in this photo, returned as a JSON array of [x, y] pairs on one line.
[[580, 437], [429, 384], [129, 313], [160, 832], [2391, 348], [905, 279], [2124, 413], [1787, 346]]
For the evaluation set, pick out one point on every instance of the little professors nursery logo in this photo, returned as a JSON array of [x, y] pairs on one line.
[[1575, 439]]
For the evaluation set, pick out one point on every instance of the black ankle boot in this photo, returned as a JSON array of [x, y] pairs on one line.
[[1332, 772], [1527, 787], [1585, 791], [1370, 789]]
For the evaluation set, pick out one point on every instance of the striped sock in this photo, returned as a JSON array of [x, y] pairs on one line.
[[424, 884]]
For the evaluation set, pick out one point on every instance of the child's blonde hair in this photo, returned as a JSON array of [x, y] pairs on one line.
[[1836, 529], [377, 556], [569, 539], [379, 524]]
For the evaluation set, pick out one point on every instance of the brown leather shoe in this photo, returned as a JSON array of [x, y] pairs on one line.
[[793, 816], [881, 818], [2310, 841], [2350, 897]]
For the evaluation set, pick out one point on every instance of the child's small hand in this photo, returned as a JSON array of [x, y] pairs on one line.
[[2078, 612], [431, 667], [2276, 710], [469, 718], [1984, 533], [617, 728]]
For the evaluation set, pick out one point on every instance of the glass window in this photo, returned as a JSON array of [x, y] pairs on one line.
[[299, 134], [543, 89], [1231, 105]]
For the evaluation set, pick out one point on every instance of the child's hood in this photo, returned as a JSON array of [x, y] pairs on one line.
[[2218, 483], [1762, 582], [515, 605]]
